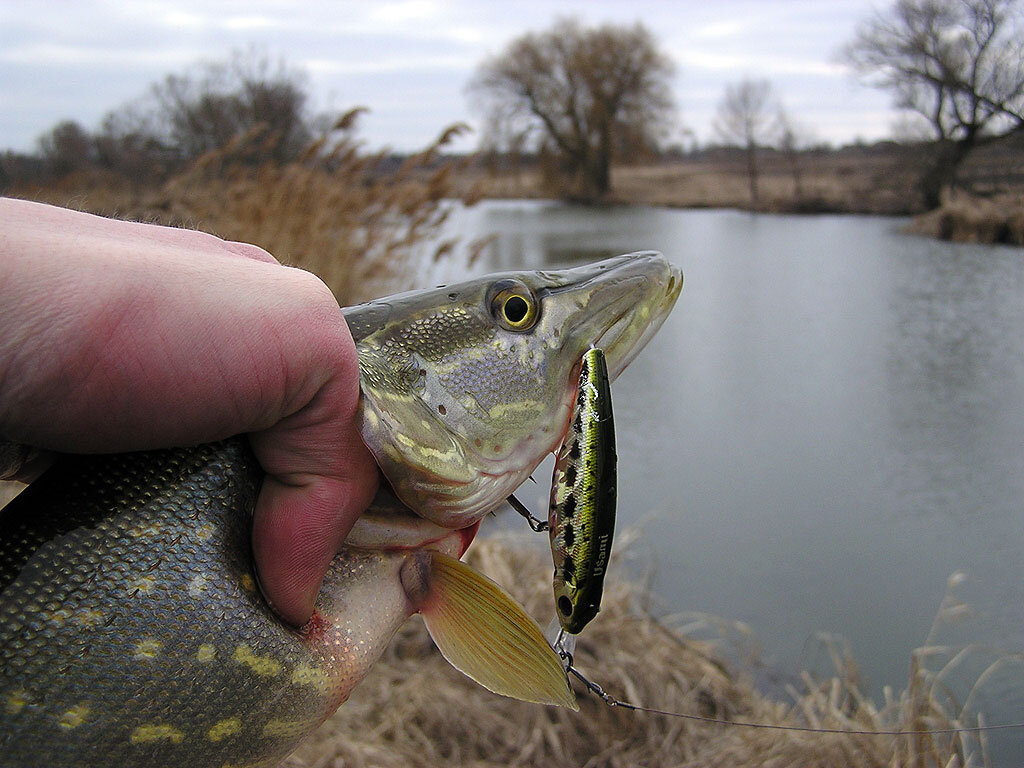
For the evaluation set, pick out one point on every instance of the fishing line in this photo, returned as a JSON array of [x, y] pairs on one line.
[[614, 703]]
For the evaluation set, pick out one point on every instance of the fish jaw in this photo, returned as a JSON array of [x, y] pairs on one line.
[[458, 410]]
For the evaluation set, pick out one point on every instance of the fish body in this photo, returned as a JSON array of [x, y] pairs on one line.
[[132, 630], [581, 513]]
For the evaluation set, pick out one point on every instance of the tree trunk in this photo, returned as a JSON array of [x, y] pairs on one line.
[[597, 180], [752, 173], [942, 170]]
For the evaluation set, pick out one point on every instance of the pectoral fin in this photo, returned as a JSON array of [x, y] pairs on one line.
[[483, 632]]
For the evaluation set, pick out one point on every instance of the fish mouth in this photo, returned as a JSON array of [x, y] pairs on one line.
[[629, 299]]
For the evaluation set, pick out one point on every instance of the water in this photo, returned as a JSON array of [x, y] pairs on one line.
[[829, 425]]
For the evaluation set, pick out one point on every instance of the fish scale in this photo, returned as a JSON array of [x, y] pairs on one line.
[[161, 599]]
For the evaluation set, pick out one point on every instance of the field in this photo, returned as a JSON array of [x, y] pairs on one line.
[[878, 179]]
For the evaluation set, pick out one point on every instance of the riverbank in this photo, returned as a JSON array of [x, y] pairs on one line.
[[966, 219], [878, 179], [415, 710]]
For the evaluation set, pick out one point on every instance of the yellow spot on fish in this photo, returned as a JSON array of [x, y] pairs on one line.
[[261, 665], [74, 717], [224, 728], [16, 702], [145, 584], [157, 732], [206, 652], [148, 649], [203, 532], [59, 616], [304, 674], [247, 583], [89, 617], [513, 410], [279, 729], [145, 529], [197, 585]]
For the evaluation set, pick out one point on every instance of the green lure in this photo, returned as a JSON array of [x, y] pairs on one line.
[[581, 515]]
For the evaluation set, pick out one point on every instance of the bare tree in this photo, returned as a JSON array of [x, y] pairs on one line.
[[957, 63], [746, 118], [208, 105], [579, 93], [66, 147], [793, 138]]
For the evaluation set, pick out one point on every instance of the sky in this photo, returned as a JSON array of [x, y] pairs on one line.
[[409, 61]]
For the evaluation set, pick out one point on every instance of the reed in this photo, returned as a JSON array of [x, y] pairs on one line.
[[355, 218]]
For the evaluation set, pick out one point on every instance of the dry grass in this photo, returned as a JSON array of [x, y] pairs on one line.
[[829, 182], [966, 219], [414, 710], [349, 216]]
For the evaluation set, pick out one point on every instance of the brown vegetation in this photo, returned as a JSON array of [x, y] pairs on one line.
[[875, 180], [878, 179], [966, 219], [349, 216], [957, 66], [415, 710]]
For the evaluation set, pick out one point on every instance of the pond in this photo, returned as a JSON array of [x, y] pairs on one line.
[[828, 426]]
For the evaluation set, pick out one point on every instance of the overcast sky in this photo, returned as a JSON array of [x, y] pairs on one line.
[[409, 61]]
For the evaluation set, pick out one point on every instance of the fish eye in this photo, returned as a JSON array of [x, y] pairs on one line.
[[565, 606], [513, 305]]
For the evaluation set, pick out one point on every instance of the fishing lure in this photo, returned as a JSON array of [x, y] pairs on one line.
[[581, 512]]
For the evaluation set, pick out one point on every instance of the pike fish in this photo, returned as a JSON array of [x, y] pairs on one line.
[[132, 632]]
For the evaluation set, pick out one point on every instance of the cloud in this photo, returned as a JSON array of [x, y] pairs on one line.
[[81, 59]]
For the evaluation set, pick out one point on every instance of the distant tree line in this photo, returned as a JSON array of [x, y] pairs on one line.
[[181, 118], [579, 100]]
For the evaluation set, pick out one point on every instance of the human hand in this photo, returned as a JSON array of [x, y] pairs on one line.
[[118, 336]]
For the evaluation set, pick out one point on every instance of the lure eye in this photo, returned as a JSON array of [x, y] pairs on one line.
[[565, 606], [513, 306]]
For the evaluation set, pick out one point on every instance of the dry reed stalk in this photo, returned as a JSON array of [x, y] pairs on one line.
[[346, 215], [414, 710]]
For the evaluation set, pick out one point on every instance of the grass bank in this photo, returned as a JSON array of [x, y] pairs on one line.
[[966, 219]]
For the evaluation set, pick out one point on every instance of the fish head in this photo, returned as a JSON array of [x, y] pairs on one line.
[[465, 388]]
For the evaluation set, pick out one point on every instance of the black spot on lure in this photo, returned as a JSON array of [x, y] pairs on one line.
[[581, 515]]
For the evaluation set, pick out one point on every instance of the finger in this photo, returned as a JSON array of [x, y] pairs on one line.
[[297, 530]]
